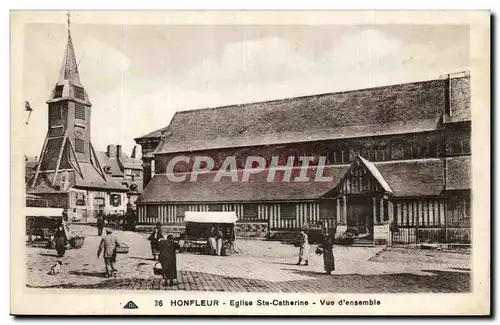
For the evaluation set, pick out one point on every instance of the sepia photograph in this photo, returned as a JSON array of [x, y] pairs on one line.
[[252, 161]]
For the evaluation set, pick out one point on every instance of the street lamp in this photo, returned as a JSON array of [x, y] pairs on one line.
[[27, 108]]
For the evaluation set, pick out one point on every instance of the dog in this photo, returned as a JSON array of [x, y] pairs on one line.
[[56, 268]]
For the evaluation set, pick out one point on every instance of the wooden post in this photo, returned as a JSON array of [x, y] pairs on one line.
[[374, 210], [382, 214], [338, 211], [344, 218]]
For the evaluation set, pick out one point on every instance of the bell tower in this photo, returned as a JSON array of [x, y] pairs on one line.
[[67, 146]]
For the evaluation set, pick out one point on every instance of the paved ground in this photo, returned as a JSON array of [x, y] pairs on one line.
[[260, 266]]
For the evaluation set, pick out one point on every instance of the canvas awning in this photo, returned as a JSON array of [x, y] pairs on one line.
[[210, 217], [43, 212]]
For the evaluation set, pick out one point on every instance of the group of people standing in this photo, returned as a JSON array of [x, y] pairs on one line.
[[325, 248]]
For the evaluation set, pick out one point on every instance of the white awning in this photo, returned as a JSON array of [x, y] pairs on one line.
[[210, 217], [43, 212]]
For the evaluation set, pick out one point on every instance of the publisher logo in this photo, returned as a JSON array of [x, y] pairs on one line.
[[130, 305]]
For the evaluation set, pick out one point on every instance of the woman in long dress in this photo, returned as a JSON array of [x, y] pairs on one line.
[[304, 248], [328, 258], [168, 259], [60, 240]]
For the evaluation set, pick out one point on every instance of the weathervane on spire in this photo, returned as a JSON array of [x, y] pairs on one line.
[[69, 19]]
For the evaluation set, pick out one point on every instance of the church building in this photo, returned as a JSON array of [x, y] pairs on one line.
[[69, 173], [398, 156]]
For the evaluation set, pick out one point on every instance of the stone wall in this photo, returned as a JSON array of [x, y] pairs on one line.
[[175, 230], [255, 230]]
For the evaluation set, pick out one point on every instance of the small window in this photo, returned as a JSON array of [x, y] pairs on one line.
[[80, 198], [116, 200], [79, 93], [58, 92], [80, 111], [79, 146]]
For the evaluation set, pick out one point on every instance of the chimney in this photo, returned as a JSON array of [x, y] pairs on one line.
[[111, 151], [133, 152], [118, 151]]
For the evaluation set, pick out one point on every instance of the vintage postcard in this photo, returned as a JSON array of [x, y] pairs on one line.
[[250, 163]]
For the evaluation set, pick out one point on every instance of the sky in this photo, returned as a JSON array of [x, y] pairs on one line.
[[138, 76]]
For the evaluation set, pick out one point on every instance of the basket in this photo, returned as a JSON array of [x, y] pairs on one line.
[[77, 242], [157, 270], [122, 249]]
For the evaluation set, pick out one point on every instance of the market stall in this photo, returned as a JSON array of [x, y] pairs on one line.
[[42, 223], [199, 226]]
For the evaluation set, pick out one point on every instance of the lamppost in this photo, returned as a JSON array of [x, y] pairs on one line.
[[27, 108]]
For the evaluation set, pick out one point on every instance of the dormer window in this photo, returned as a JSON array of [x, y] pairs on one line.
[[58, 92], [79, 93]]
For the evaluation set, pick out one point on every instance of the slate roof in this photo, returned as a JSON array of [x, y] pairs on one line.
[[403, 108], [458, 173], [376, 173], [117, 165], [422, 177], [112, 163], [92, 179], [204, 189]]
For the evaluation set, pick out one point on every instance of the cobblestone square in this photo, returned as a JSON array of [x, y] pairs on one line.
[[260, 266]]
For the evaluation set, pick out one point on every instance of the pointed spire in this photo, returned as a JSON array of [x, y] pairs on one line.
[[69, 67]]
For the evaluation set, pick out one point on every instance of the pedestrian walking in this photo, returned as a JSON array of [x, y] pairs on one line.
[[304, 248], [218, 240], [100, 224], [60, 240], [168, 259], [326, 248], [154, 239], [108, 247]]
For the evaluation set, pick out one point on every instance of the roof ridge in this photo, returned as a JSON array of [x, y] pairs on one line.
[[313, 95]]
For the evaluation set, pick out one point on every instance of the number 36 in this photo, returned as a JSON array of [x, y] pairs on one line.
[[159, 303]]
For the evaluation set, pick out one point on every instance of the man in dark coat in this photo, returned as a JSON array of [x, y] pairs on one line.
[[168, 259], [154, 239], [100, 224]]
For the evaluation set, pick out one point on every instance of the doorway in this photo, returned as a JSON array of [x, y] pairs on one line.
[[360, 214]]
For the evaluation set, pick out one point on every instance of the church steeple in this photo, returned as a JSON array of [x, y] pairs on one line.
[[69, 67], [68, 85], [68, 144]]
